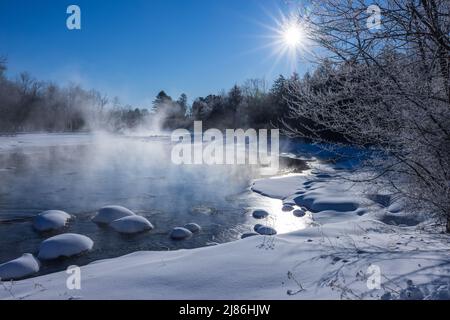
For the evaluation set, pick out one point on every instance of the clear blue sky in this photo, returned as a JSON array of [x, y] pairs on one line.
[[133, 49]]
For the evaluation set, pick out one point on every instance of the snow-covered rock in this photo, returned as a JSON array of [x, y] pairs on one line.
[[260, 214], [19, 268], [108, 214], [51, 220], [131, 224], [180, 233], [64, 245], [193, 227], [266, 231]]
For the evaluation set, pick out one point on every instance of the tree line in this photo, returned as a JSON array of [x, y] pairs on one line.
[[28, 105]]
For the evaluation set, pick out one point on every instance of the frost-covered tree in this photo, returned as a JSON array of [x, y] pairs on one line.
[[384, 89]]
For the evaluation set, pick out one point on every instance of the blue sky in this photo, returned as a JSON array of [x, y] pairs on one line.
[[133, 49]]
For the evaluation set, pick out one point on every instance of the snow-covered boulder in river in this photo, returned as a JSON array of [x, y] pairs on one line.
[[180, 233], [108, 214], [131, 224], [193, 227], [19, 268], [50, 220], [64, 245]]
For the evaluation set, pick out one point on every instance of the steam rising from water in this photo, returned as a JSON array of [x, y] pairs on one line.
[[83, 172]]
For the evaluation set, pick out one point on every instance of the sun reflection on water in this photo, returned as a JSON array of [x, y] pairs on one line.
[[282, 221]]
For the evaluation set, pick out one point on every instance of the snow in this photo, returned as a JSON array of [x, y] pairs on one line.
[[330, 259], [131, 224], [279, 187], [108, 214], [51, 220], [19, 268], [64, 245], [323, 260], [180, 233], [193, 227]]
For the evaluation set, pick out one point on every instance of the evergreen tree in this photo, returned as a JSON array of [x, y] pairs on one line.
[[183, 103], [161, 99]]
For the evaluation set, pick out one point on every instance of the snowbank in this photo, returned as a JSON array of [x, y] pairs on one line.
[[317, 263], [64, 245], [108, 214], [21, 267], [131, 224], [51, 220], [279, 187], [315, 194]]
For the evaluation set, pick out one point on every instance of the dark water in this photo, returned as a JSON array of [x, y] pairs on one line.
[[80, 174]]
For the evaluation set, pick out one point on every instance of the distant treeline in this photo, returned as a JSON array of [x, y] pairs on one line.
[[27, 104], [251, 105]]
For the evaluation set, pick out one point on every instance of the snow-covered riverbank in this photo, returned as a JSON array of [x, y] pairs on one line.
[[337, 257]]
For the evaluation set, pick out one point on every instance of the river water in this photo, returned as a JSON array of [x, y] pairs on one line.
[[80, 173]]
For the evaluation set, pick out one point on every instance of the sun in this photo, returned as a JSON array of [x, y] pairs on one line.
[[292, 35], [290, 38]]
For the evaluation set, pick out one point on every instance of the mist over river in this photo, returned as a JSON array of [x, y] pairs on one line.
[[80, 173]]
